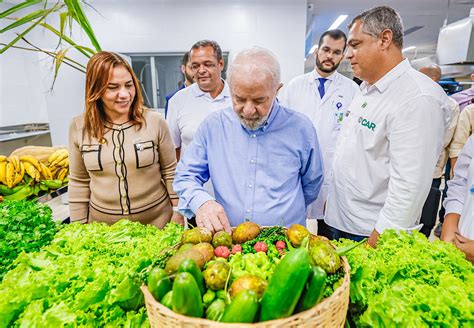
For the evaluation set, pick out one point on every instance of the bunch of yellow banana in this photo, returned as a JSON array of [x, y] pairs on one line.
[[60, 158], [59, 164], [11, 171], [62, 173], [32, 166]]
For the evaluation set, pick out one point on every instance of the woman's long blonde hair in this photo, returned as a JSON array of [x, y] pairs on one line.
[[98, 74]]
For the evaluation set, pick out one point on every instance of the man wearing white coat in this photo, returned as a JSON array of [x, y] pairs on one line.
[[389, 144], [324, 96]]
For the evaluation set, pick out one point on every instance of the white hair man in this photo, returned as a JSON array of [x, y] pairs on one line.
[[258, 171]]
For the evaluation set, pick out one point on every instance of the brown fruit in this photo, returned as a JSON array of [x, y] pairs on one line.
[[245, 231], [174, 261], [206, 250], [296, 233], [185, 247], [216, 274], [248, 282], [196, 236], [324, 255], [221, 238], [315, 239]]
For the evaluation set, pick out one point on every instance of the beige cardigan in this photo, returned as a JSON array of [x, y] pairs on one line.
[[443, 158], [130, 175], [463, 131]]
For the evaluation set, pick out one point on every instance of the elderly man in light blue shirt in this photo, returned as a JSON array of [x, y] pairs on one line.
[[263, 159]]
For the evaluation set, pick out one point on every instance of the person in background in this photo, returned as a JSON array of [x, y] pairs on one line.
[[187, 75], [463, 131], [458, 227], [121, 156], [443, 165], [324, 96], [389, 144], [263, 159], [465, 97], [190, 106]]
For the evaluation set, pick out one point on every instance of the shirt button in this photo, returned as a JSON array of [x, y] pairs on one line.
[[250, 186], [253, 136], [121, 178], [252, 161], [248, 211]]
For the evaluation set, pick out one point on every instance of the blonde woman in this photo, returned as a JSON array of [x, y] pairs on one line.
[[122, 159]]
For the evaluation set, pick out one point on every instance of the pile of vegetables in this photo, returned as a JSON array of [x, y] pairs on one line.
[[25, 226], [250, 276], [408, 281], [89, 275]]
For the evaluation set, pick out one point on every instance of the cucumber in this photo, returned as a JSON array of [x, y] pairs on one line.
[[186, 296], [189, 265], [286, 285], [313, 290], [167, 300], [215, 311], [159, 283], [243, 308]]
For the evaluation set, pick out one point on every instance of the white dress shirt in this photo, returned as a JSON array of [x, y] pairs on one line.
[[188, 108], [460, 198], [327, 113], [386, 153]]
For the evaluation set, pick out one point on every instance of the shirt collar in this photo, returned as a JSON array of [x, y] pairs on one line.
[[382, 84], [225, 93], [315, 75]]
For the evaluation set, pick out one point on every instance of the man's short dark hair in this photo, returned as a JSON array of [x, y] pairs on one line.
[[334, 34], [185, 59], [209, 43], [376, 20]]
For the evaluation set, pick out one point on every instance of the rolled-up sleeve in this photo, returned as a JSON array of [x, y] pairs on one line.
[[415, 134], [457, 186], [191, 174]]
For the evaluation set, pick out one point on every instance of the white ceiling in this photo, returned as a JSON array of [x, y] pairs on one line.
[[427, 13]]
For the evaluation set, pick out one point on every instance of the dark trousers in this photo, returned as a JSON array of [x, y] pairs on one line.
[[192, 223], [332, 233], [436, 183]]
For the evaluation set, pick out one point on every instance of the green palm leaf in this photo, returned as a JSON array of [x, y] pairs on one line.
[[79, 16], [18, 7]]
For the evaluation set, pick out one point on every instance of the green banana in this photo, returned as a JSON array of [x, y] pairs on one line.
[[21, 194], [52, 184], [5, 191], [36, 189]]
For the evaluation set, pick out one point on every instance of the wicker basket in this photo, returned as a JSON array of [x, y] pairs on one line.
[[331, 312]]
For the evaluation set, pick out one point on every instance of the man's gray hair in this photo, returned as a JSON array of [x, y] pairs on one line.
[[376, 20], [258, 59]]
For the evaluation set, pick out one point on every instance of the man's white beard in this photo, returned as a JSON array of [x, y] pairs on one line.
[[254, 125]]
